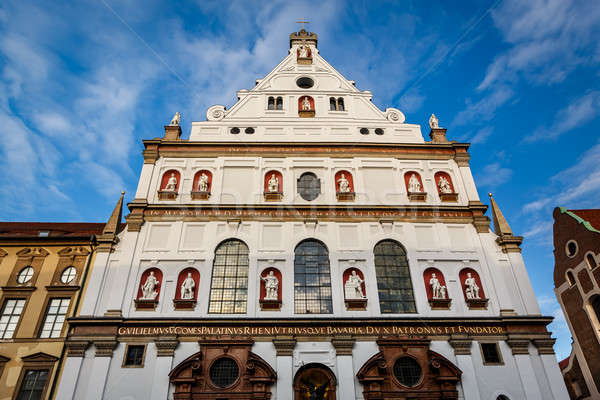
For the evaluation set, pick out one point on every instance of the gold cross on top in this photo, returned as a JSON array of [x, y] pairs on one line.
[[303, 21]]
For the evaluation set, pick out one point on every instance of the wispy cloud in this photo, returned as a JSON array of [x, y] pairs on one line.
[[494, 175]]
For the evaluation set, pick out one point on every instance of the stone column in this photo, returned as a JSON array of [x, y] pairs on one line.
[[70, 374], [100, 366], [545, 349], [165, 350], [520, 350], [284, 348], [462, 352], [345, 370]]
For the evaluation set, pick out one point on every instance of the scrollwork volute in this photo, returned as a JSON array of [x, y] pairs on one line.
[[394, 115], [216, 113]]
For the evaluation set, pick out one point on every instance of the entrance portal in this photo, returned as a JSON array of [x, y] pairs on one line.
[[314, 382]]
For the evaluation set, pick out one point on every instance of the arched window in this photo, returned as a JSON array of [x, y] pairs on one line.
[[279, 103], [393, 278], [571, 278], [271, 103], [229, 284], [332, 106], [312, 279], [340, 104], [595, 302], [502, 397], [591, 262]]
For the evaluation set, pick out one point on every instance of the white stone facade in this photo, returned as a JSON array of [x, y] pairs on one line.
[[179, 233]]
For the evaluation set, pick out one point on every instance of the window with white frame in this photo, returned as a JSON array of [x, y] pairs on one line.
[[11, 313], [55, 317]]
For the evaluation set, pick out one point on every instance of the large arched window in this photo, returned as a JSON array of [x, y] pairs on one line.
[[312, 280], [229, 285], [393, 278]]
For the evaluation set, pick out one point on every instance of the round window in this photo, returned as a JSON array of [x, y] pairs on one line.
[[68, 275], [224, 372], [25, 275], [235, 130], [378, 131], [408, 371], [249, 131], [571, 248], [364, 131], [305, 82], [309, 186]]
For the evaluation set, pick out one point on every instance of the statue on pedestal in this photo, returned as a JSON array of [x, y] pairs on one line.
[[171, 183], [353, 287], [344, 185], [433, 122], [176, 119], [444, 185], [471, 288], [306, 104], [271, 286], [187, 287], [273, 184], [203, 183], [302, 52], [150, 287], [414, 186], [438, 291]]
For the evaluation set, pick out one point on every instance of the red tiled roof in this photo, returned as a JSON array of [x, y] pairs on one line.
[[564, 363], [592, 216], [54, 229]]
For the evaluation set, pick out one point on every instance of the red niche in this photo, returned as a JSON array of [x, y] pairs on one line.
[[279, 177], [197, 176], [347, 274], [347, 176], [437, 177], [308, 52], [310, 99], [167, 176], [182, 277], [407, 178], [463, 275], [263, 290], [427, 274], [158, 287]]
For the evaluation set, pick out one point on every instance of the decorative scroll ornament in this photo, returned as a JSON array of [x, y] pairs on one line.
[[215, 113], [394, 115]]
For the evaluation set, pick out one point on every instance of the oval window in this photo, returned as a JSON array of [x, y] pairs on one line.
[[571, 248], [309, 186], [25, 275], [249, 131], [305, 82], [378, 131], [408, 371], [224, 372], [235, 130], [68, 275], [364, 131]]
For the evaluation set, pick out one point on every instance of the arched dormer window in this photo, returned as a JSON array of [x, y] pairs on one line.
[[202, 185], [273, 186], [393, 278], [340, 104], [312, 278], [229, 283], [445, 187], [591, 262], [271, 103], [571, 278], [336, 104], [169, 185], [332, 105], [595, 303], [279, 103]]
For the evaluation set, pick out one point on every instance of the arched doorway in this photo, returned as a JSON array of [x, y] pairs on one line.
[[314, 382]]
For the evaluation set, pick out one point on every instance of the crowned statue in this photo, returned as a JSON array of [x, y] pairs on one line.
[[471, 288], [271, 286], [444, 185], [150, 287], [353, 287], [433, 122], [305, 104], [176, 120], [171, 183], [187, 287], [414, 186], [343, 184], [203, 183], [273, 184], [438, 291]]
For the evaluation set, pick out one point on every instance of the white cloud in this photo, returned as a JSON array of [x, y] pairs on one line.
[[484, 109], [494, 175]]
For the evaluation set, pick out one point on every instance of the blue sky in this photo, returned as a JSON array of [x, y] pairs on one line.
[[82, 83]]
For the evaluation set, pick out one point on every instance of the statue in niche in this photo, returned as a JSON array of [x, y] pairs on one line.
[[353, 287], [171, 183], [273, 184], [433, 122], [203, 183], [271, 286], [414, 186], [150, 287], [344, 185], [436, 288], [187, 287], [471, 288], [306, 104], [302, 52], [444, 185], [176, 119]]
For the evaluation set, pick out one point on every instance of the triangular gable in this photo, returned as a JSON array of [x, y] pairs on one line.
[[39, 358]]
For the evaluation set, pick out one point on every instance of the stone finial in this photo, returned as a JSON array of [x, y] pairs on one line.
[[176, 119], [173, 130], [506, 239], [437, 134], [434, 122]]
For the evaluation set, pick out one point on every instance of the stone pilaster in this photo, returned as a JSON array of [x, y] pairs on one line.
[[461, 345], [104, 348], [544, 346], [343, 345], [284, 346], [165, 347], [518, 346], [76, 348]]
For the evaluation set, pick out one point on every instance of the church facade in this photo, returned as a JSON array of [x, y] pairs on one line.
[[305, 244]]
